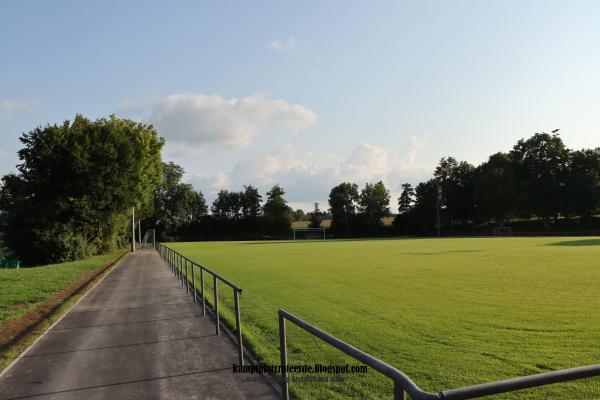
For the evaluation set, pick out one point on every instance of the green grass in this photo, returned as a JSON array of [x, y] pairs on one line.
[[21, 289], [448, 312]]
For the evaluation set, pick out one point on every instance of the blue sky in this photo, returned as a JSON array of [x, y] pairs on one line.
[[306, 94]]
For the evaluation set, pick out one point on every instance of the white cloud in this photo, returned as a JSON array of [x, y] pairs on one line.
[[283, 45], [367, 162], [15, 105], [210, 183], [406, 169], [413, 147], [308, 177], [197, 121]]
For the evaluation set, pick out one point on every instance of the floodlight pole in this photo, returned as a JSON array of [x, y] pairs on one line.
[[132, 229], [154, 238], [140, 232]]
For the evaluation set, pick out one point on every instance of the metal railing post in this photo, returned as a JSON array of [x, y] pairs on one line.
[[193, 281], [187, 280], [399, 393], [216, 290], [285, 391], [180, 267], [238, 324], [202, 291]]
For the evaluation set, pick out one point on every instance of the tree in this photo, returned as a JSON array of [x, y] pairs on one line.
[[541, 163], [374, 203], [250, 202], [582, 184], [496, 193], [278, 215], [456, 180], [423, 214], [199, 207], [298, 215], [315, 217], [343, 201], [227, 205], [406, 201], [175, 203], [75, 186]]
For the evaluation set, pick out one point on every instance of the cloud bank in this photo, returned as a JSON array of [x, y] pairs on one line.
[[309, 177], [197, 121]]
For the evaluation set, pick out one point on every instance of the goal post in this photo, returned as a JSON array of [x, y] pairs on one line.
[[308, 233], [502, 231]]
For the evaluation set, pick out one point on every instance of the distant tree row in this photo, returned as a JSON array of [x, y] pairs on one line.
[[355, 212], [179, 210], [540, 178]]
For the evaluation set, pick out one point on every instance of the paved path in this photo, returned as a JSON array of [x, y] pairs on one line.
[[137, 335]]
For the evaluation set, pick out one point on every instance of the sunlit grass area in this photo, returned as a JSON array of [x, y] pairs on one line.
[[21, 289], [448, 312]]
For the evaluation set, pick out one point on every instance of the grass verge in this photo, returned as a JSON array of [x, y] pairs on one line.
[[32, 299]]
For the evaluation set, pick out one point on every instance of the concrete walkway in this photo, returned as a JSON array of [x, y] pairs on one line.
[[137, 335]]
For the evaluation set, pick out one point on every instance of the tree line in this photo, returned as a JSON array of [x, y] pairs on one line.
[[76, 183], [539, 183], [182, 212]]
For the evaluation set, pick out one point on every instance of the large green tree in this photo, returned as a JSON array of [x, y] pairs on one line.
[[424, 213], [343, 202], [582, 183], [75, 186], [227, 205], [316, 216], [250, 200], [406, 203], [496, 191], [374, 203], [541, 163], [456, 180], [277, 213], [176, 203]]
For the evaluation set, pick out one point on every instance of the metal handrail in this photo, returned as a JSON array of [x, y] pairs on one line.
[[179, 266], [403, 384]]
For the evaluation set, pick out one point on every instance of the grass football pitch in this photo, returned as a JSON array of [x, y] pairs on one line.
[[448, 312]]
